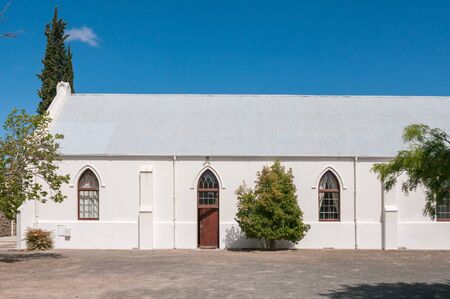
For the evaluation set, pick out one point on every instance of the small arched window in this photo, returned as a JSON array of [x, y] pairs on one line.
[[88, 196], [329, 198], [208, 189]]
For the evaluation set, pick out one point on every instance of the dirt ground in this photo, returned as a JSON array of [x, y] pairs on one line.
[[229, 274]]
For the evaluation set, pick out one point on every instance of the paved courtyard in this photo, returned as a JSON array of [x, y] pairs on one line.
[[219, 273]]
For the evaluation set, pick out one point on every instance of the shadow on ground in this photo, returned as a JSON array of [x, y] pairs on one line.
[[19, 257], [392, 290]]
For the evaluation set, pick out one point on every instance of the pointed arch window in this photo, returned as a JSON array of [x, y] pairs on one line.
[[88, 196], [208, 189], [329, 198]]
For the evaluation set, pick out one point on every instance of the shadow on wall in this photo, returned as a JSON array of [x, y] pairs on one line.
[[236, 239], [393, 290]]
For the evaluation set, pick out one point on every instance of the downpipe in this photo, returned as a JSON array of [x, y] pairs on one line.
[[355, 190], [174, 201]]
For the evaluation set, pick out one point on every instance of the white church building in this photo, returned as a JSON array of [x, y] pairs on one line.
[[160, 171]]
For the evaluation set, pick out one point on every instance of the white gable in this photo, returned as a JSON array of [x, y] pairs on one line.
[[242, 125]]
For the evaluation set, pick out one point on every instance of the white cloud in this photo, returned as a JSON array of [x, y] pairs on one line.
[[83, 34]]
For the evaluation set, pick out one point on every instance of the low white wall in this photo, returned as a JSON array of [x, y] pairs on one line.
[[94, 234], [424, 235], [369, 235]]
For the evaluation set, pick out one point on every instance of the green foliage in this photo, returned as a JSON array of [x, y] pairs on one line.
[[57, 63], [27, 155], [38, 239], [426, 162], [271, 210]]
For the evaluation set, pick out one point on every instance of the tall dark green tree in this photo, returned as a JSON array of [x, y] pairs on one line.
[[69, 68], [57, 62]]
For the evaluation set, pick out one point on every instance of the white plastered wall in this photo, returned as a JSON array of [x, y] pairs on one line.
[[415, 229], [121, 207]]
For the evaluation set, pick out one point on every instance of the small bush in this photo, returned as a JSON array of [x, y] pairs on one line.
[[270, 211], [38, 239]]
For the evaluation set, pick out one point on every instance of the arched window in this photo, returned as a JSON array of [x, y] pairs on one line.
[[88, 196], [329, 198], [208, 189]]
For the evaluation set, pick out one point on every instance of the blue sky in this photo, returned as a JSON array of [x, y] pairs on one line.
[[282, 47]]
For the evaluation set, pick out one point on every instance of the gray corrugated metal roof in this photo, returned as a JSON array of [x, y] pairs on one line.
[[243, 125]]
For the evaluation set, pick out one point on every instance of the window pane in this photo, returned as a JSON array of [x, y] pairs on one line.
[[88, 180], [208, 181], [443, 212], [328, 181], [208, 197], [329, 206], [89, 204]]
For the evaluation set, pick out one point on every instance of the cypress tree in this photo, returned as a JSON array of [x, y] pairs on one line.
[[68, 73], [57, 62]]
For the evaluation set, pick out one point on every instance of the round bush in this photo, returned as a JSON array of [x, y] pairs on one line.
[[38, 239]]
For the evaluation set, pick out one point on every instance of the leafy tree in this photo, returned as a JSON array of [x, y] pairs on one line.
[[271, 210], [27, 169], [426, 161], [57, 63]]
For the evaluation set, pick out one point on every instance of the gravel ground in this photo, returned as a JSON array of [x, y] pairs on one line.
[[220, 273]]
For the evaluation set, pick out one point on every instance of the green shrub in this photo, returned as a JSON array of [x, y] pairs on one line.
[[38, 239], [270, 211]]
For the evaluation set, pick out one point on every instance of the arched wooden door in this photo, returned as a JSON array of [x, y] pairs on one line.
[[208, 210]]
